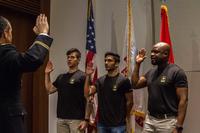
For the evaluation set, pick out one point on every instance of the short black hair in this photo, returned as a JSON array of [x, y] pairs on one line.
[[3, 25], [78, 53], [115, 56]]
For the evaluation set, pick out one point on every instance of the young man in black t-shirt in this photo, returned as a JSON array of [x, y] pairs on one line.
[[71, 104], [114, 96], [167, 91]]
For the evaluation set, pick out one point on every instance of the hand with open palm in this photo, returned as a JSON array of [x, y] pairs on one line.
[[49, 67], [141, 56]]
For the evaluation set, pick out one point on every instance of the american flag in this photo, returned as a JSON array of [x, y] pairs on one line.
[[90, 59], [91, 42]]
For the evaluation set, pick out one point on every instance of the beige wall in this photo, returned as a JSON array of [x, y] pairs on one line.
[[68, 27]]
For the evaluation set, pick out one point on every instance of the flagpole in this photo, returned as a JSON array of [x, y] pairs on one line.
[[90, 59], [88, 9], [129, 38], [153, 22]]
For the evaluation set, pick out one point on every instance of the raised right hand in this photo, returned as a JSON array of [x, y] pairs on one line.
[[141, 56], [49, 68], [41, 25]]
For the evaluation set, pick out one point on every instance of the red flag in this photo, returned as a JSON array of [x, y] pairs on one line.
[[164, 31]]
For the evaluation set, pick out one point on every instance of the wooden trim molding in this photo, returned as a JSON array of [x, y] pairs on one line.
[[27, 6]]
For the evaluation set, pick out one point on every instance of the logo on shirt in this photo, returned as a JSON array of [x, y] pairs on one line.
[[114, 88], [71, 81], [163, 79]]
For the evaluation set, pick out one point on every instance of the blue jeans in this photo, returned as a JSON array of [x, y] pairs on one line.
[[104, 129]]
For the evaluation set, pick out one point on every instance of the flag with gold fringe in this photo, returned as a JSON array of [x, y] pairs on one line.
[[164, 31], [129, 54]]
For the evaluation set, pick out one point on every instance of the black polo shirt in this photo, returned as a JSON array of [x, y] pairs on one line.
[[162, 86]]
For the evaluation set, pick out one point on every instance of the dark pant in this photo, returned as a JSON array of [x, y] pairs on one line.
[[11, 124], [104, 129]]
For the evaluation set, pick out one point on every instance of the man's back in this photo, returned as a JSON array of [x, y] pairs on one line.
[[9, 77]]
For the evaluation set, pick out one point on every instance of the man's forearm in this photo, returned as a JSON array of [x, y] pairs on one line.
[[182, 108], [135, 75], [88, 109], [86, 86], [48, 83], [129, 103], [129, 108]]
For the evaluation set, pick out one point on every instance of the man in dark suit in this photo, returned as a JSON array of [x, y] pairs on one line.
[[12, 65]]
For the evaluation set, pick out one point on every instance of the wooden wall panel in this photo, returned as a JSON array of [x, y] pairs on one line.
[[28, 6], [40, 97]]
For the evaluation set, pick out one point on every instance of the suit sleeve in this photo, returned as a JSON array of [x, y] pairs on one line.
[[34, 57]]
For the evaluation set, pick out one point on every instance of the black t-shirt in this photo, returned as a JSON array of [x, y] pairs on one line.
[[162, 86], [71, 101], [111, 99]]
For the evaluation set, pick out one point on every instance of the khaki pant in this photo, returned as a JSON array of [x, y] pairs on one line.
[[154, 125], [68, 126]]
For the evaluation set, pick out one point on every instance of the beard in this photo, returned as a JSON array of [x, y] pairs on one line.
[[157, 61], [109, 69]]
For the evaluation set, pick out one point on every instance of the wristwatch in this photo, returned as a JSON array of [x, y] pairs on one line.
[[179, 128]]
